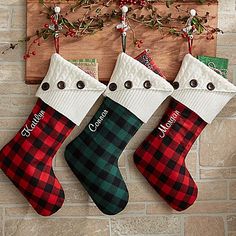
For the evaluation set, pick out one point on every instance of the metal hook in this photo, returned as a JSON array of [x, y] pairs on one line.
[[123, 27], [189, 30], [55, 27]]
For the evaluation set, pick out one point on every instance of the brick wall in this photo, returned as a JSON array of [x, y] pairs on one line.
[[212, 161]]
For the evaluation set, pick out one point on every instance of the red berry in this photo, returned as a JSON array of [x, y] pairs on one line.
[[53, 21], [33, 53], [46, 25]]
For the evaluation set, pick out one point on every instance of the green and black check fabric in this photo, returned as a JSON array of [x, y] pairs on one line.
[[93, 155]]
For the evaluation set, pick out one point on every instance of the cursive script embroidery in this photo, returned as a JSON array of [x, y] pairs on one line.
[[164, 128], [94, 127], [28, 129]]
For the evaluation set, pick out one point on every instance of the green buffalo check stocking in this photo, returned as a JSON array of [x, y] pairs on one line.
[[93, 155]]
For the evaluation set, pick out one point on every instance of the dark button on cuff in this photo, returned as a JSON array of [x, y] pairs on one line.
[[193, 83], [112, 86], [175, 85], [210, 86], [80, 84], [147, 84], [45, 86], [61, 85], [128, 84]]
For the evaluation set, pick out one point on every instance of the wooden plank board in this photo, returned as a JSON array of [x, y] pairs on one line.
[[105, 45]]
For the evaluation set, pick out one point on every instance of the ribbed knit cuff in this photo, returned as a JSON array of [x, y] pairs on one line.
[[201, 89], [69, 90], [137, 88]]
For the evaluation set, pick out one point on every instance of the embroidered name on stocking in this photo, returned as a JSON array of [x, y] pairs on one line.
[[94, 127], [164, 128], [27, 130]]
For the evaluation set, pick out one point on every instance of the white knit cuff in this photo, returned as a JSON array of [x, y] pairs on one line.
[[201, 89], [137, 88], [69, 90]]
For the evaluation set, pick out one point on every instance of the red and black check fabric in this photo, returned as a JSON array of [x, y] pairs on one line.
[[27, 158], [161, 157]]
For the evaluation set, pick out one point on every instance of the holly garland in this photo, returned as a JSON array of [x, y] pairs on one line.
[[99, 14]]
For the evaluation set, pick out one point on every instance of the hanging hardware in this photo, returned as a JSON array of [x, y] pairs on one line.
[[189, 30], [123, 27]]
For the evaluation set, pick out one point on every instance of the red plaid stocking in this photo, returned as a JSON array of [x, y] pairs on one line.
[[199, 96], [27, 158]]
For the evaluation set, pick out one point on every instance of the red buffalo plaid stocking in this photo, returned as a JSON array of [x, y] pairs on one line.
[[200, 94], [65, 96]]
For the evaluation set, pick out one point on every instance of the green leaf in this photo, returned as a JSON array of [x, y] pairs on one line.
[[200, 29], [169, 2], [45, 36], [67, 22]]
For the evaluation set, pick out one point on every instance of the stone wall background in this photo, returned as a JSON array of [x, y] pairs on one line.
[[212, 160]]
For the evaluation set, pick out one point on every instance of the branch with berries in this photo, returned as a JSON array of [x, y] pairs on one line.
[[101, 13]]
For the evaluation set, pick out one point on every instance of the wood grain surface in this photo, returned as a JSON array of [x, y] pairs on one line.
[[105, 45]]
